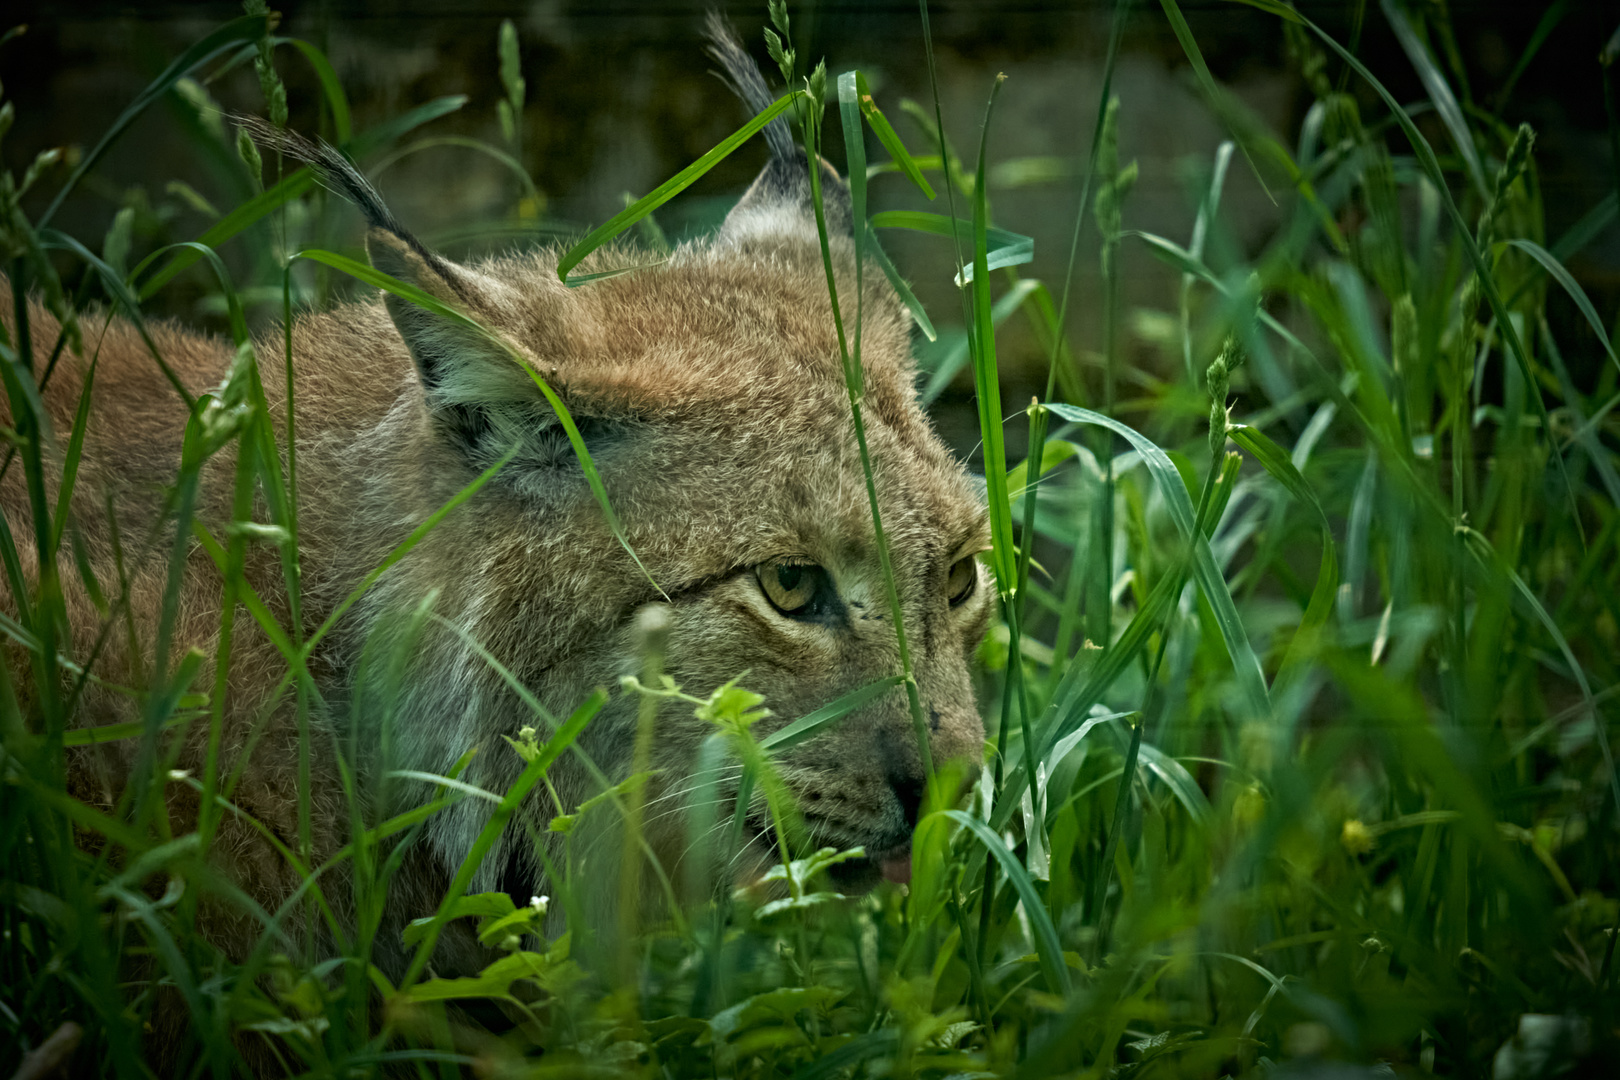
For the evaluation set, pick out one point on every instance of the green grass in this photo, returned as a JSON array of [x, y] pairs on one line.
[[1299, 698]]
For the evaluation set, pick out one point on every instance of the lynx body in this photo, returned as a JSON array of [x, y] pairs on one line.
[[710, 393]]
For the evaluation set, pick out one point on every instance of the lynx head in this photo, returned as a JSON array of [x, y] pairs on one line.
[[710, 392]]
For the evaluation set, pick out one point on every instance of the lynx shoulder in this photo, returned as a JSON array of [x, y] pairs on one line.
[[710, 393]]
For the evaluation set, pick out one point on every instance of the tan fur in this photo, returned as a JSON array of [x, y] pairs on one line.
[[712, 387]]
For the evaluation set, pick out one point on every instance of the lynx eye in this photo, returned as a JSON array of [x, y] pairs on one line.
[[789, 586], [960, 581]]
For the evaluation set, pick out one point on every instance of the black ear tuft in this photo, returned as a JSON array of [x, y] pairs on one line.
[[738, 71], [778, 204], [338, 174]]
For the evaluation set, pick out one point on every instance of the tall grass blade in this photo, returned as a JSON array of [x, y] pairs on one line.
[[1212, 90], [1445, 102], [1047, 947], [811, 724], [671, 187], [1272, 458]]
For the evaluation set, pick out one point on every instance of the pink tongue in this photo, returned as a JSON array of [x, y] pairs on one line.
[[897, 868]]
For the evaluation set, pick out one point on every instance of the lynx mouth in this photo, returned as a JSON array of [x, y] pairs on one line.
[[865, 874], [855, 877]]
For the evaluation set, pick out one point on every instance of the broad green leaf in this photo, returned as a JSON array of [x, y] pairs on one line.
[[477, 905], [773, 1006], [495, 981], [797, 903]]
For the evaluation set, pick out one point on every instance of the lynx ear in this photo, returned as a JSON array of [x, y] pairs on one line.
[[458, 364], [778, 204], [477, 389]]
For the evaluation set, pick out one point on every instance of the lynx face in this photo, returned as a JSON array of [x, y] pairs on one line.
[[710, 392]]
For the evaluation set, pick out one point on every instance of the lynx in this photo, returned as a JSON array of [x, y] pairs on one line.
[[709, 391]]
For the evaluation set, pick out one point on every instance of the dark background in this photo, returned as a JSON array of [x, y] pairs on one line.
[[620, 97]]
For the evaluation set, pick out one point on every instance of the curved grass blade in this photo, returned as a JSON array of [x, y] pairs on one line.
[[885, 132], [75, 450], [1207, 574], [671, 187], [1047, 946], [398, 552], [501, 157], [1490, 559], [1174, 775], [1273, 7], [373, 139], [1584, 231], [907, 297], [1465, 237], [119, 291], [1272, 458], [1538, 37], [1122, 810], [1213, 90], [293, 186], [1073, 698], [1005, 248], [1571, 286], [242, 29]]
